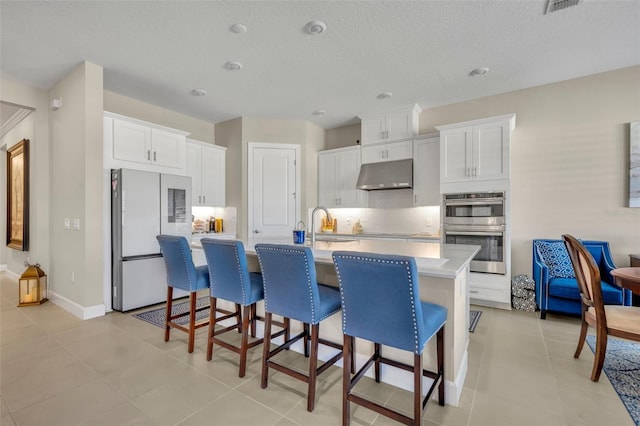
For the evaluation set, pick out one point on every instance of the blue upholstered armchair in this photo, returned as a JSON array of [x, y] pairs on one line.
[[556, 286]]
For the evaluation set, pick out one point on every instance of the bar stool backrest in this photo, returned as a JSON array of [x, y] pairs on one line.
[[290, 284], [381, 299], [181, 272], [228, 273]]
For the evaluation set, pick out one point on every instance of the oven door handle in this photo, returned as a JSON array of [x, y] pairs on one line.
[[472, 203], [475, 233]]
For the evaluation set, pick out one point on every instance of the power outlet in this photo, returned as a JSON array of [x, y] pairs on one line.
[[429, 221]]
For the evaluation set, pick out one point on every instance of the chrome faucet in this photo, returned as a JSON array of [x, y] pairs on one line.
[[313, 222]]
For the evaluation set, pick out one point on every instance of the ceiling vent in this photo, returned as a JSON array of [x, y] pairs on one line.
[[555, 5]]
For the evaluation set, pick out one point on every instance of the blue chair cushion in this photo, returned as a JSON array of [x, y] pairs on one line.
[[433, 316], [202, 278], [329, 301], [557, 258], [567, 288], [256, 290], [381, 300]]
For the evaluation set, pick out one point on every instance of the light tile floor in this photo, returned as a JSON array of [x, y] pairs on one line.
[[117, 370]]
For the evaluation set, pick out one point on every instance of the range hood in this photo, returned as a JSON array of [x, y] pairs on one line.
[[386, 175]]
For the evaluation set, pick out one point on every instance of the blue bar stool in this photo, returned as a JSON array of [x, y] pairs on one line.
[[184, 275], [231, 280], [381, 303], [292, 291]]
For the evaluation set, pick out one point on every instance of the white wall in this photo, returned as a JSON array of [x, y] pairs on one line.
[[36, 129], [14, 259], [199, 130], [77, 190], [569, 159]]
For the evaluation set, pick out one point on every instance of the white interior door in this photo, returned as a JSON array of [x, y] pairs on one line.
[[273, 185]]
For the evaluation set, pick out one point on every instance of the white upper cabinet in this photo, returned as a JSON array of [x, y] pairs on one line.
[[387, 152], [476, 150], [338, 171], [136, 141], [426, 170], [206, 166], [401, 123]]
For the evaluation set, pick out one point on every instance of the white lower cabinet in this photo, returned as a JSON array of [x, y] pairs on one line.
[[426, 170], [338, 171], [206, 166], [490, 290], [387, 152]]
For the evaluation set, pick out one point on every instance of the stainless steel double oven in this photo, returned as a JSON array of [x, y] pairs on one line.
[[478, 218]]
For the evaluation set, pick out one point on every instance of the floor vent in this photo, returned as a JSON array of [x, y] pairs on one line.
[[555, 5]]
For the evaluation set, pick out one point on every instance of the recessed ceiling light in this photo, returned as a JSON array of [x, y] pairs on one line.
[[233, 66], [319, 112], [479, 71], [238, 28], [315, 27], [385, 95], [199, 92]]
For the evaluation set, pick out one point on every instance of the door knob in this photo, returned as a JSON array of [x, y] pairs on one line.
[[255, 231]]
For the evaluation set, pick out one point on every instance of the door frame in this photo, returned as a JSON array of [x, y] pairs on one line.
[[251, 146]]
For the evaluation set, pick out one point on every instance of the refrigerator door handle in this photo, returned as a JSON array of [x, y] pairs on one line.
[[141, 257]]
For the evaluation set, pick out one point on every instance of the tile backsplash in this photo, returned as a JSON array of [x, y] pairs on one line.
[[228, 215], [407, 220]]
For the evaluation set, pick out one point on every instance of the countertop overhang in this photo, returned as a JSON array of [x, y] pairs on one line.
[[432, 259]]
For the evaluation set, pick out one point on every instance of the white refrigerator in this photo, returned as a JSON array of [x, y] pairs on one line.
[[143, 205]]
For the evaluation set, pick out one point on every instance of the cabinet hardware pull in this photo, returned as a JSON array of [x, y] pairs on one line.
[[154, 156], [148, 155]]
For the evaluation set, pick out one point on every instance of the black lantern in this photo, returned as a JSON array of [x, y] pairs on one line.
[[32, 286]]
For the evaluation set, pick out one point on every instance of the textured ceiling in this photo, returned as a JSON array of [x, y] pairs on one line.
[[158, 51]]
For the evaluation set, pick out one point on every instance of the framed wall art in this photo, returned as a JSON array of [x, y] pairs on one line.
[[18, 196], [634, 164]]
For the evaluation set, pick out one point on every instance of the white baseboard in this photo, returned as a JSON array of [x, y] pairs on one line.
[[82, 312], [11, 273]]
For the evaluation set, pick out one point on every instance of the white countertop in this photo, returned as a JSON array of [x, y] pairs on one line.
[[432, 259], [380, 235]]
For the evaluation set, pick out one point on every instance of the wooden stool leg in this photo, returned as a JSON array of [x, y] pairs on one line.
[[239, 317], [313, 367], [266, 344], [417, 389], [192, 320], [253, 320], [244, 340], [440, 345], [213, 302], [348, 356], [305, 329], [376, 364], [167, 327]]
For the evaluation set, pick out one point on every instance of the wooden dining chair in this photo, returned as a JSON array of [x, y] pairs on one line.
[[608, 320]]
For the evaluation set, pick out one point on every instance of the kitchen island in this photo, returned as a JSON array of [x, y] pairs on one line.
[[443, 271]]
